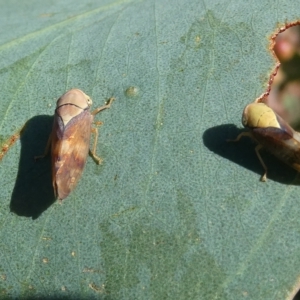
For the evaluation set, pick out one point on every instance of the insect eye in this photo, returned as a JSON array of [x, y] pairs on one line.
[[89, 101]]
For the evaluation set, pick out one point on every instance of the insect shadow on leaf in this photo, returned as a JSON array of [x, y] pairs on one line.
[[33, 191], [243, 153]]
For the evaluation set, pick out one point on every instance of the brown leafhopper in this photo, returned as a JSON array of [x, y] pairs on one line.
[[70, 140], [272, 133]]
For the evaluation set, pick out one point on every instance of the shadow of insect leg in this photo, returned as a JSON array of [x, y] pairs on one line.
[[264, 176]]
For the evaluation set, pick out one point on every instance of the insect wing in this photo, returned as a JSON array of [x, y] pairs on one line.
[[283, 144], [70, 147]]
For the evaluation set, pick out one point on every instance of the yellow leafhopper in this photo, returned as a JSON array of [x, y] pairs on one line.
[[272, 133]]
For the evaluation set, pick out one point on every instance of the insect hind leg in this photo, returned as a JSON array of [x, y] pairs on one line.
[[93, 151], [257, 148], [264, 176]]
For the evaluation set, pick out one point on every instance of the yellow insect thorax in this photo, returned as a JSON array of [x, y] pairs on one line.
[[259, 115]]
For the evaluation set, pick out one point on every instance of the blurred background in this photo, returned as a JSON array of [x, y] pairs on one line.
[[284, 97]]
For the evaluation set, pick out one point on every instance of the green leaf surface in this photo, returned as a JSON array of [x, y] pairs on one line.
[[174, 212]]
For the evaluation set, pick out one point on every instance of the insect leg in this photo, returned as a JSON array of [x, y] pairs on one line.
[[245, 133], [92, 151], [46, 149], [264, 177], [93, 154], [107, 105]]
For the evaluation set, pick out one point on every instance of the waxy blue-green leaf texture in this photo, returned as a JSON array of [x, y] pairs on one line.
[[174, 211]]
